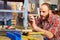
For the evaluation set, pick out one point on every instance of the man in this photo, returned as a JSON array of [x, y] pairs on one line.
[[50, 23]]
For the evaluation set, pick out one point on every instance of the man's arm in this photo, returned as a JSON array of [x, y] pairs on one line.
[[48, 34]]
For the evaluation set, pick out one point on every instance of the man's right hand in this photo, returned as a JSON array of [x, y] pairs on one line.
[[31, 18]]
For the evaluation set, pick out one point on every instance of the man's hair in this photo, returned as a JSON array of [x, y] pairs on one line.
[[47, 4]]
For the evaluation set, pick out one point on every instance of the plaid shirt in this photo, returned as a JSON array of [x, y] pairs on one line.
[[53, 25]]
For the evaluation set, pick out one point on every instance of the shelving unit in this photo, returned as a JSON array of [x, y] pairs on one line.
[[25, 12]]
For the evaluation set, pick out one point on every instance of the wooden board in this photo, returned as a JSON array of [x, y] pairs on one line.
[[4, 38]]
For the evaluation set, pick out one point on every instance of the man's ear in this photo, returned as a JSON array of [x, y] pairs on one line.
[[50, 11]]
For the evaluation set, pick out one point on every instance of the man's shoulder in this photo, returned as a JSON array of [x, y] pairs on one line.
[[55, 17]]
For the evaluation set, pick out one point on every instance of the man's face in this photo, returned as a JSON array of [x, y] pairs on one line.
[[44, 11]]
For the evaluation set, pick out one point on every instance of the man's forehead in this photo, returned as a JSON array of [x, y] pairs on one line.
[[43, 7]]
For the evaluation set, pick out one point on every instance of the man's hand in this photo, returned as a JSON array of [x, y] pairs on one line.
[[31, 18]]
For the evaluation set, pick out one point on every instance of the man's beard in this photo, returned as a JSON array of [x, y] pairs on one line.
[[46, 18]]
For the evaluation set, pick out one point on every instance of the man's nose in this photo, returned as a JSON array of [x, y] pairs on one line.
[[41, 13]]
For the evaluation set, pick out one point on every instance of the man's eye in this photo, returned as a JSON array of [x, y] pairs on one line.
[[40, 11], [43, 11]]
